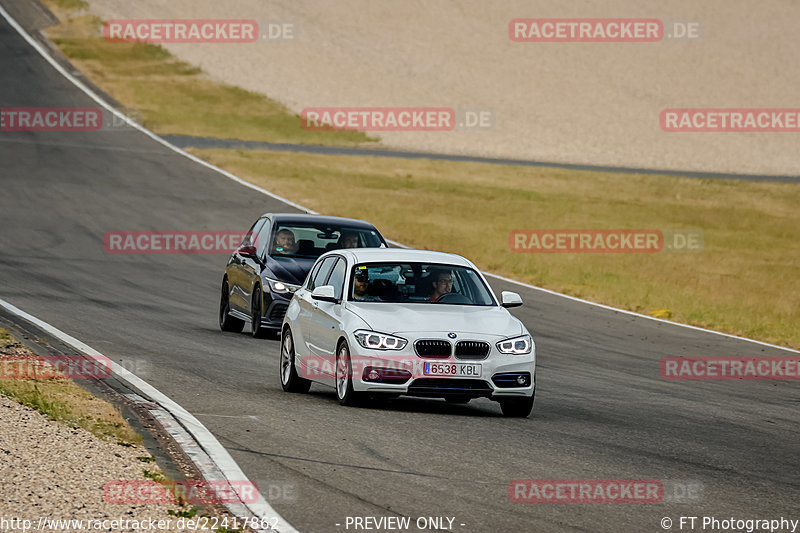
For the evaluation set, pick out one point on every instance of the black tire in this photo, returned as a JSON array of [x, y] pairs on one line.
[[290, 381], [344, 384], [517, 407], [258, 331], [226, 321]]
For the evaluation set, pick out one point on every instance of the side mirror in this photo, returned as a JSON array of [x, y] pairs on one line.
[[510, 299], [325, 294], [246, 250]]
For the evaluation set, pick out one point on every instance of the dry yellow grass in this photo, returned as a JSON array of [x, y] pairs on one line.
[[62, 399], [170, 96], [745, 280]]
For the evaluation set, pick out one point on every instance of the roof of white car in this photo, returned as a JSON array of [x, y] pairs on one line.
[[369, 255]]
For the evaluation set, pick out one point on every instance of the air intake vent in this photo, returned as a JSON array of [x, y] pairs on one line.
[[437, 388], [433, 348], [472, 349]]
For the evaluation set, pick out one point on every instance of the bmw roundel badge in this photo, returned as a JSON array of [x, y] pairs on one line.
[[451, 335]]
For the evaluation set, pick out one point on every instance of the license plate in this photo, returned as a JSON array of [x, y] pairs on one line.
[[458, 370]]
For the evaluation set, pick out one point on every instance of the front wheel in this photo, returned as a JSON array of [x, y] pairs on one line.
[[344, 377], [290, 381], [226, 321]]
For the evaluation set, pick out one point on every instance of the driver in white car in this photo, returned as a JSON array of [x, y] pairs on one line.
[[442, 284]]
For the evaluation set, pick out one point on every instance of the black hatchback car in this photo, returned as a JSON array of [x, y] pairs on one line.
[[274, 259]]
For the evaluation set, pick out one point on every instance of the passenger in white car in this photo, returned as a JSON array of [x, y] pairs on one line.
[[360, 286]]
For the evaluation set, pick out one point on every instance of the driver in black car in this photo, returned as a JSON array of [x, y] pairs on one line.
[[442, 284], [285, 242]]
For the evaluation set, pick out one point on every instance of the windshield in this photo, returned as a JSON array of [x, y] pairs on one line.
[[313, 240], [424, 283]]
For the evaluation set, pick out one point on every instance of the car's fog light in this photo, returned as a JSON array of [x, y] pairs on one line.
[[508, 380], [386, 375]]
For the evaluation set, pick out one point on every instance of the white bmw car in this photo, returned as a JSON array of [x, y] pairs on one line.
[[406, 322]]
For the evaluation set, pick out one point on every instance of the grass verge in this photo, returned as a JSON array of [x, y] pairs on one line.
[[62, 399], [169, 96], [745, 281]]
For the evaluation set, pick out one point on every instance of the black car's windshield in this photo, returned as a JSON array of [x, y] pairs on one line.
[[313, 240], [425, 283]]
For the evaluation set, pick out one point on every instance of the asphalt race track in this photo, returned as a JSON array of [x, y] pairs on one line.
[[602, 409]]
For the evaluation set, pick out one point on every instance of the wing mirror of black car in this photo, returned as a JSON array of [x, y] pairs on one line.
[[325, 293], [246, 250], [510, 299]]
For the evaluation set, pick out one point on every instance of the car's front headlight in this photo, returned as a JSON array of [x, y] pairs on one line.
[[281, 286], [379, 341], [517, 345]]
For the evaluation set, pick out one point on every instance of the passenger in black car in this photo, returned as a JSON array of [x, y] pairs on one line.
[[348, 239]]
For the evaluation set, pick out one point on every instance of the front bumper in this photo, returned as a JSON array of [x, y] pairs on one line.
[[403, 372], [275, 306]]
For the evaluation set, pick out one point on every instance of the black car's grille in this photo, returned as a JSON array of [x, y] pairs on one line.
[[433, 348], [472, 349], [439, 387], [278, 311]]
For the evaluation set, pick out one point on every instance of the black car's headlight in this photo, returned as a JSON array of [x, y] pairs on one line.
[[281, 287], [516, 345], [379, 341]]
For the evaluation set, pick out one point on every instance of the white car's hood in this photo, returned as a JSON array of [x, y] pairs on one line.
[[418, 318]]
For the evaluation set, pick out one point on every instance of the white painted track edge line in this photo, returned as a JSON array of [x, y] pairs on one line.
[[205, 439], [624, 311], [91, 94], [639, 315]]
